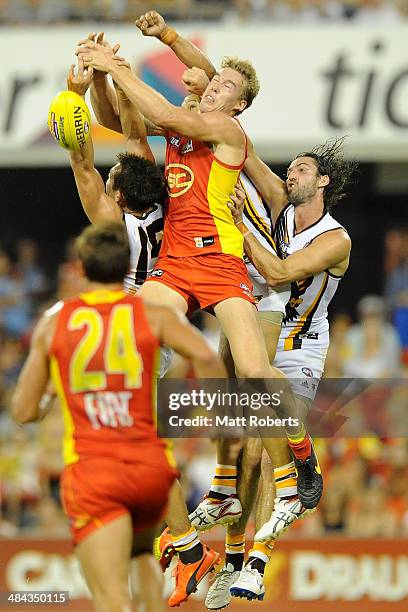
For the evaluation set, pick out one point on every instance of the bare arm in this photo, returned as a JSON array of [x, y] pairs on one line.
[[214, 127], [103, 96], [104, 103], [270, 186], [153, 24], [33, 379], [133, 127], [329, 251], [98, 206]]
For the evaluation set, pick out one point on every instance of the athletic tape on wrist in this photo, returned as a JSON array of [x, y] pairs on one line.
[[169, 36]]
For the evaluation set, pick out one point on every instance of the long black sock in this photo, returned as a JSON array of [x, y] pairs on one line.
[[192, 555], [237, 560]]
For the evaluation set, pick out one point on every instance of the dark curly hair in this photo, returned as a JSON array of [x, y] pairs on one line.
[[330, 161], [140, 181]]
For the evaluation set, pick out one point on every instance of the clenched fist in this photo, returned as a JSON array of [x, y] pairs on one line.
[[195, 81], [151, 24]]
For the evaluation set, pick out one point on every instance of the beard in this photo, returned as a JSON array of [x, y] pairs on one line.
[[300, 194]]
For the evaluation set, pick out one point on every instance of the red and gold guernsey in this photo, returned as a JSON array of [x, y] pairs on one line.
[[197, 219], [103, 364]]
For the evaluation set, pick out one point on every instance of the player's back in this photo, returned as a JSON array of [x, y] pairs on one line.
[[145, 235], [197, 219], [103, 363]]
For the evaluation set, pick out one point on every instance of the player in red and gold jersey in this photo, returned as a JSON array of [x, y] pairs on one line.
[[101, 350]]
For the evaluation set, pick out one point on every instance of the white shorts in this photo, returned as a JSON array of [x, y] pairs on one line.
[[273, 300], [303, 367]]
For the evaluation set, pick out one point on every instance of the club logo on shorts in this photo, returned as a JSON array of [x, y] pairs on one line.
[[180, 179], [203, 241], [157, 272], [246, 289], [307, 372]]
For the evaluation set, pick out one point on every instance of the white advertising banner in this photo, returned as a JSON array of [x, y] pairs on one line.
[[316, 82]]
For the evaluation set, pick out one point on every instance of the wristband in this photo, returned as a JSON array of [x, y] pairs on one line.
[[169, 36], [244, 230]]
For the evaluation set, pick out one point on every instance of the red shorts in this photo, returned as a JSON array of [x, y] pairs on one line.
[[204, 280], [97, 490]]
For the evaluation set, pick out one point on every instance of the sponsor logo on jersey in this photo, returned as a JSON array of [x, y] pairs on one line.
[[175, 141], [157, 272], [307, 372], [180, 179], [188, 147]]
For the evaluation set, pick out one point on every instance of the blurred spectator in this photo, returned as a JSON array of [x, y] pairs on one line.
[[14, 310], [54, 11], [70, 280], [30, 272], [369, 516], [336, 354], [372, 345], [396, 283], [170, 9], [378, 11]]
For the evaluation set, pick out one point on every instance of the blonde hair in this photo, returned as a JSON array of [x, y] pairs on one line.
[[247, 71]]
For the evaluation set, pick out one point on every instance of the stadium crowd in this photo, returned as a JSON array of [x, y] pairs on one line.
[[366, 490], [22, 12]]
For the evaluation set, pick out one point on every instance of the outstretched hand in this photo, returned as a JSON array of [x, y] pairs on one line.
[[81, 81], [96, 55], [100, 39], [151, 24], [236, 205]]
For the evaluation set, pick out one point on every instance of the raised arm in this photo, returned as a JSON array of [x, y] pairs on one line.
[[103, 96], [214, 127], [105, 103], [271, 187], [133, 127], [153, 24], [98, 206]]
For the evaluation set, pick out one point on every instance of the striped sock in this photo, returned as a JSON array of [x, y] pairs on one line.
[[286, 480], [224, 482], [301, 444], [260, 554], [235, 550], [188, 546]]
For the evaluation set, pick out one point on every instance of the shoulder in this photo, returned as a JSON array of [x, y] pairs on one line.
[[334, 236], [44, 330]]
